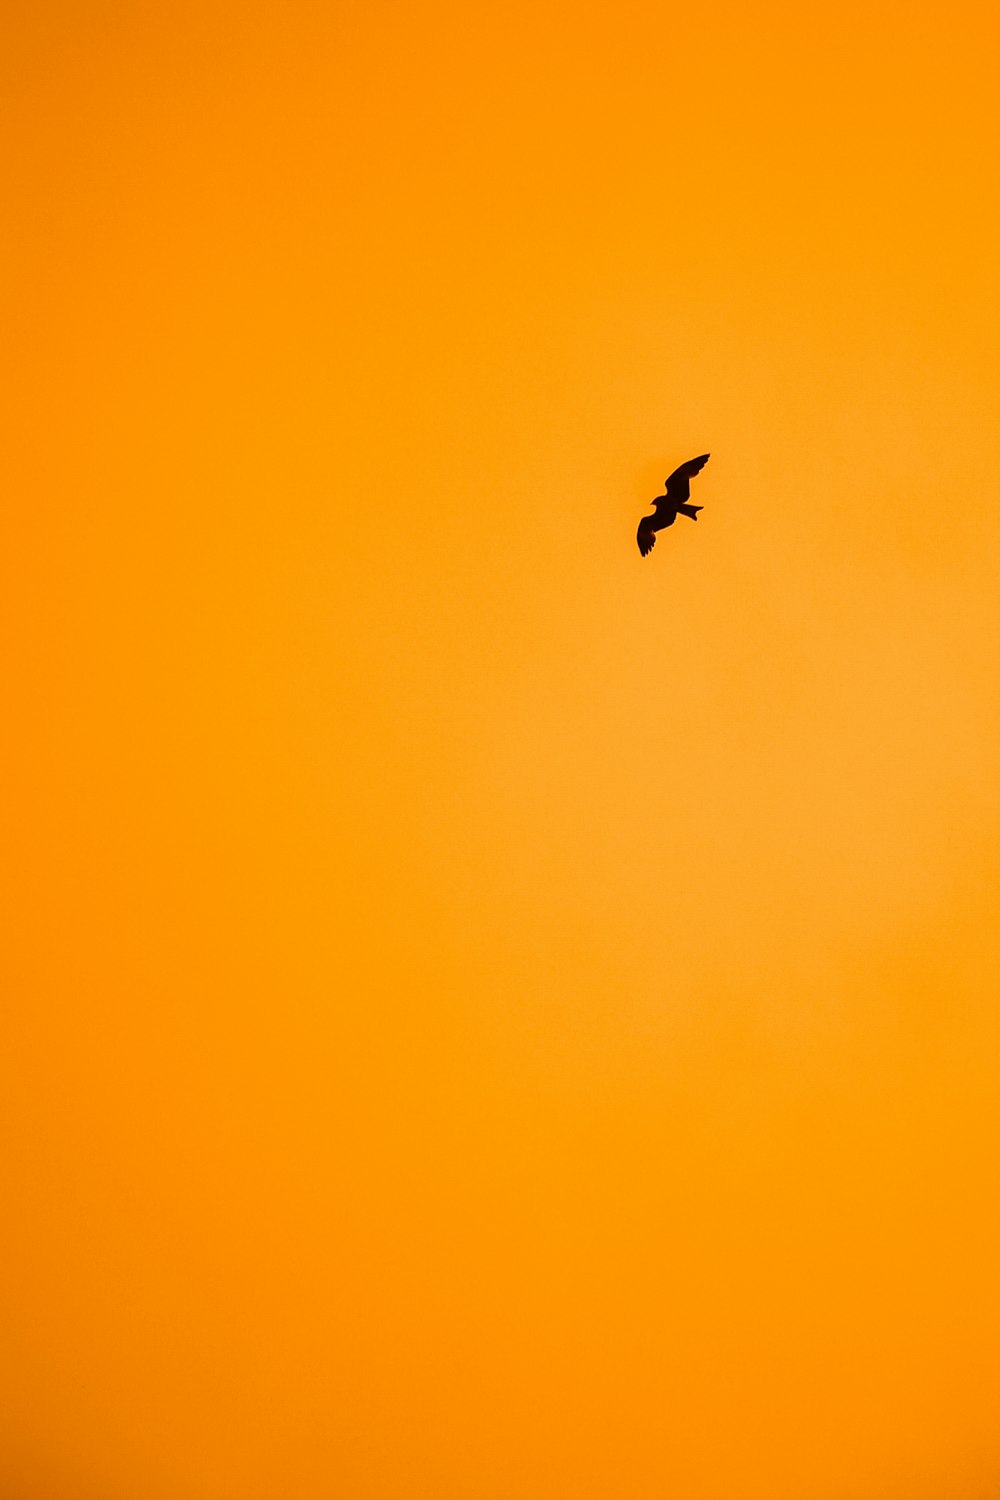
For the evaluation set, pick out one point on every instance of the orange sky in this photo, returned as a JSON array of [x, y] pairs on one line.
[[491, 1016]]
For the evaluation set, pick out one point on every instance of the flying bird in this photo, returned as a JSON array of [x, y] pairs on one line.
[[672, 504]]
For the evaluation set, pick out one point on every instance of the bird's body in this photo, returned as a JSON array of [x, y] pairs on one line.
[[672, 504]]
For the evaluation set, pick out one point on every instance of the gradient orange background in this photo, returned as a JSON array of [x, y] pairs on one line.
[[489, 1016]]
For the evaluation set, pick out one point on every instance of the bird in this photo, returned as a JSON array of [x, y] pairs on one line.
[[672, 504]]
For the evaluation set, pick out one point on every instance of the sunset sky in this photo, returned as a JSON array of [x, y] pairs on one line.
[[491, 1017]]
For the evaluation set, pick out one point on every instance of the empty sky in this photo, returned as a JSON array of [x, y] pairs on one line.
[[489, 1015]]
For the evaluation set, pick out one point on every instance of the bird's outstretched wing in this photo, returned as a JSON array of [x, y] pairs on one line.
[[679, 483], [646, 536]]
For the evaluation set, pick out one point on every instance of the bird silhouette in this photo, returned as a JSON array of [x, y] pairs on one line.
[[672, 504]]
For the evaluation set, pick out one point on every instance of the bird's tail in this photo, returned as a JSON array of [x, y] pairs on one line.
[[691, 511]]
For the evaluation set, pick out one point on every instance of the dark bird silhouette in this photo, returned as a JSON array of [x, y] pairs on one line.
[[672, 504]]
